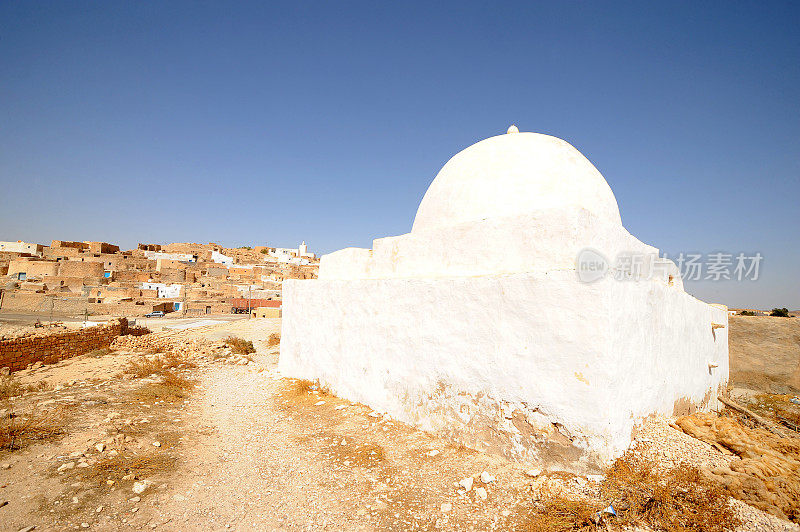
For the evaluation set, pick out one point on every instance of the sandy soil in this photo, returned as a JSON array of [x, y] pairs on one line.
[[246, 451]]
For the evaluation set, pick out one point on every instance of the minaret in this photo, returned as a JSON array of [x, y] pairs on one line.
[[303, 249]]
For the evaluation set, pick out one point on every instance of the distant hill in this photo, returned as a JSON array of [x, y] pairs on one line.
[[765, 353]]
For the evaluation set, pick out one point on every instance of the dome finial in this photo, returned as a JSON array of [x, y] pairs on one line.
[[513, 129]]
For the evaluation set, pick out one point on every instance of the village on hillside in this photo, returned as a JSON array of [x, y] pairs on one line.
[[98, 279]]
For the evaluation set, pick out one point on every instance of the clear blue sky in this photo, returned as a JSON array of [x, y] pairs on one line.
[[245, 123]]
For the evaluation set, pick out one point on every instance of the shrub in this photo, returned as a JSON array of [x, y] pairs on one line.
[[680, 499], [780, 312], [172, 388], [159, 365], [240, 346], [18, 431], [274, 339], [10, 387], [747, 313], [97, 353]]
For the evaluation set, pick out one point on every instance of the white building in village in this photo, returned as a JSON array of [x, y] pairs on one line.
[[499, 321], [219, 258], [299, 255], [168, 291], [22, 247]]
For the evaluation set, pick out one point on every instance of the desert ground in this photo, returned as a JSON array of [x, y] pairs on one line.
[[765, 353], [178, 431]]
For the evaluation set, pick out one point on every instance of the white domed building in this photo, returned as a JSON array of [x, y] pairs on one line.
[[510, 318]]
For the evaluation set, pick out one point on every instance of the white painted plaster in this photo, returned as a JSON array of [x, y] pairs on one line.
[[179, 257], [219, 258]]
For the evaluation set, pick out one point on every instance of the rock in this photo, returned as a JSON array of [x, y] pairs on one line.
[[84, 525], [446, 507], [100, 447], [506, 513], [340, 407], [533, 472], [83, 464], [432, 453], [466, 483], [156, 444], [99, 509], [134, 499], [487, 478], [76, 454], [481, 493], [27, 528], [64, 467], [6, 466], [318, 403], [178, 497], [139, 487], [374, 414]]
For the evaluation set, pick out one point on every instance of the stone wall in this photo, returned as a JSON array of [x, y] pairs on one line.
[[18, 353]]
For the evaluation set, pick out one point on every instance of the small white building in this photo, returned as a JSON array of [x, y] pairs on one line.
[[168, 291], [299, 255], [501, 320], [22, 247], [219, 258]]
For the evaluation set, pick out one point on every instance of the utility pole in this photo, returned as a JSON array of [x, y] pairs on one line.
[[249, 288], [52, 306]]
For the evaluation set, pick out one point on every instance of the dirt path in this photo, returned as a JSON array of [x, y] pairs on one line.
[[279, 458]]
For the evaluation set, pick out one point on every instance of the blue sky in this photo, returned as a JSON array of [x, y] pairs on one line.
[[246, 123]]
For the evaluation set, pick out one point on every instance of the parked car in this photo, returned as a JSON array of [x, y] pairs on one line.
[[155, 314]]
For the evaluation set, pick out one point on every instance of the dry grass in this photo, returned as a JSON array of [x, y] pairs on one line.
[[680, 499], [125, 464], [158, 365], [274, 339], [172, 388], [239, 346], [562, 515], [97, 353], [18, 431], [297, 389], [11, 387]]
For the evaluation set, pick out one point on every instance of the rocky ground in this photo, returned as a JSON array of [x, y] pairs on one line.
[[244, 449]]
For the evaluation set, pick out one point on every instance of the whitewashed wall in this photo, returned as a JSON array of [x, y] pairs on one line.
[[563, 369]]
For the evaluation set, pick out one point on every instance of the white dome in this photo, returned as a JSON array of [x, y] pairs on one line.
[[514, 174]]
